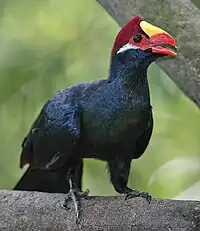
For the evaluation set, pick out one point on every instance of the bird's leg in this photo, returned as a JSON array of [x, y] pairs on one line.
[[77, 173], [72, 196], [69, 196], [119, 173], [75, 193]]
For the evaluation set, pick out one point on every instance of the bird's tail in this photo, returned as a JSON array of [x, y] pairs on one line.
[[43, 181]]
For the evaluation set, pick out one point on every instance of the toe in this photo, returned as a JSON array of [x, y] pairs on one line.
[[132, 194], [147, 196], [86, 193], [127, 197], [65, 206], [136, 193], [83, 194]]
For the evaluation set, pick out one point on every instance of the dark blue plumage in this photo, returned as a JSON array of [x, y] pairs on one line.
[[110, 120], [117, 113]]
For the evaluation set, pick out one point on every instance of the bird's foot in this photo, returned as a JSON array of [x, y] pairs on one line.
[[68, 198], [136, 193], [82, 194], [75, 196]]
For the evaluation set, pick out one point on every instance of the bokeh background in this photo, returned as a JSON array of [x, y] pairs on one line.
[[46, 45]]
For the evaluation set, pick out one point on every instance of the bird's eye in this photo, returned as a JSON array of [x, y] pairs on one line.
[[137, 38]]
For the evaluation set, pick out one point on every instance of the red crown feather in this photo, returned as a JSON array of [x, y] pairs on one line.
[[126, 33]]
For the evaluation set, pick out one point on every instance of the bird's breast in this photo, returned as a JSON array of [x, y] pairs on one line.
[[114, 127]]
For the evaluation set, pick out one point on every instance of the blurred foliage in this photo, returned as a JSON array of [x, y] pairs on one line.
[[49, 44], [197, 3]]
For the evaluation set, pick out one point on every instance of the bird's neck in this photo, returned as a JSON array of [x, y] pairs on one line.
[[134, 78], [132, 75]]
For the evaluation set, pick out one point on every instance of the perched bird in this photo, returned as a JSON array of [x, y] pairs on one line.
[[109, 120]]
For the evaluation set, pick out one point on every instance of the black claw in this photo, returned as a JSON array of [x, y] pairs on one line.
[[78, 219], [127, 197], [82, 194], [67, 199], [65, 206], [147, 196], [136, 193]]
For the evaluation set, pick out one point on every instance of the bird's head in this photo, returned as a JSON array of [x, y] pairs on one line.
[[138, 40]]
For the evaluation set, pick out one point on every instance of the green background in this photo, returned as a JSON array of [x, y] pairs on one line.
[[46, 45]]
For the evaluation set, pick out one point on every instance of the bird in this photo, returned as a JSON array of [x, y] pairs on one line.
[[110, 119]]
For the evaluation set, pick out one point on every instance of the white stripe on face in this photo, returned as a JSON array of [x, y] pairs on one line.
[[126, 47]]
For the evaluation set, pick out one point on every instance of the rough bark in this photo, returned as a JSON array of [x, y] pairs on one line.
[[43, 211], [180, 18]]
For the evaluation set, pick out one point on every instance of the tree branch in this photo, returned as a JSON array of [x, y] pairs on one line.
[[44, 211], [180, 18]]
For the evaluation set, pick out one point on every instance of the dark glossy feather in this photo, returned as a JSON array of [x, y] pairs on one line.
[[110, 120]]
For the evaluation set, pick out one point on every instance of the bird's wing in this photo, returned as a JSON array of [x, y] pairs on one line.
[[143, 141], [54, 134], [56, 131]]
